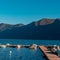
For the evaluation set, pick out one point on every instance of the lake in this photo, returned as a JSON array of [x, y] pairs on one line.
[[24, 53]]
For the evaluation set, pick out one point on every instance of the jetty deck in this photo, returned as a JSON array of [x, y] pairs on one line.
[[48, 54]]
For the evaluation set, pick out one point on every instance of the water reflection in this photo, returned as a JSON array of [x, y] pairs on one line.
[[19, 54]]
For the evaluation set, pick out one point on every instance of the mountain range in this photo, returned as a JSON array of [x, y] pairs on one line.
[[43, 29]]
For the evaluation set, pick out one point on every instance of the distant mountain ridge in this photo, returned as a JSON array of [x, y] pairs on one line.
[[42, 29]]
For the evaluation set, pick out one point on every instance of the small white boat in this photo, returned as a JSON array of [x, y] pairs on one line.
[[34, 46]]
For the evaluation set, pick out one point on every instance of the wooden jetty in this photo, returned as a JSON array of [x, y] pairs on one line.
[[48, 54]]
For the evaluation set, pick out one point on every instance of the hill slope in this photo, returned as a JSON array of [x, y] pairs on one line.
[[42, 29]]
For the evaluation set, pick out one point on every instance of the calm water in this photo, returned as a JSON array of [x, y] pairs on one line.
[[24, 53]]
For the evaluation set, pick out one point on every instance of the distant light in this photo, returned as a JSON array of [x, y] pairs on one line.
[[8, 44], [4, 46], [10, 52], [18, 46], [55, 46]]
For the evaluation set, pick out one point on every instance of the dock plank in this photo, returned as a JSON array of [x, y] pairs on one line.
[[49, 55]]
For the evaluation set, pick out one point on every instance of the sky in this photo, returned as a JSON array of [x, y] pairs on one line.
[[26, 11]]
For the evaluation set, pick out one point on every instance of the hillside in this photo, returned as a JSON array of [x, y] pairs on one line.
[[42, 29]]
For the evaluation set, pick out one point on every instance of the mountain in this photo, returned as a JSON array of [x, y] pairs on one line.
[[4, 26], [19, 25], [43, 29]]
